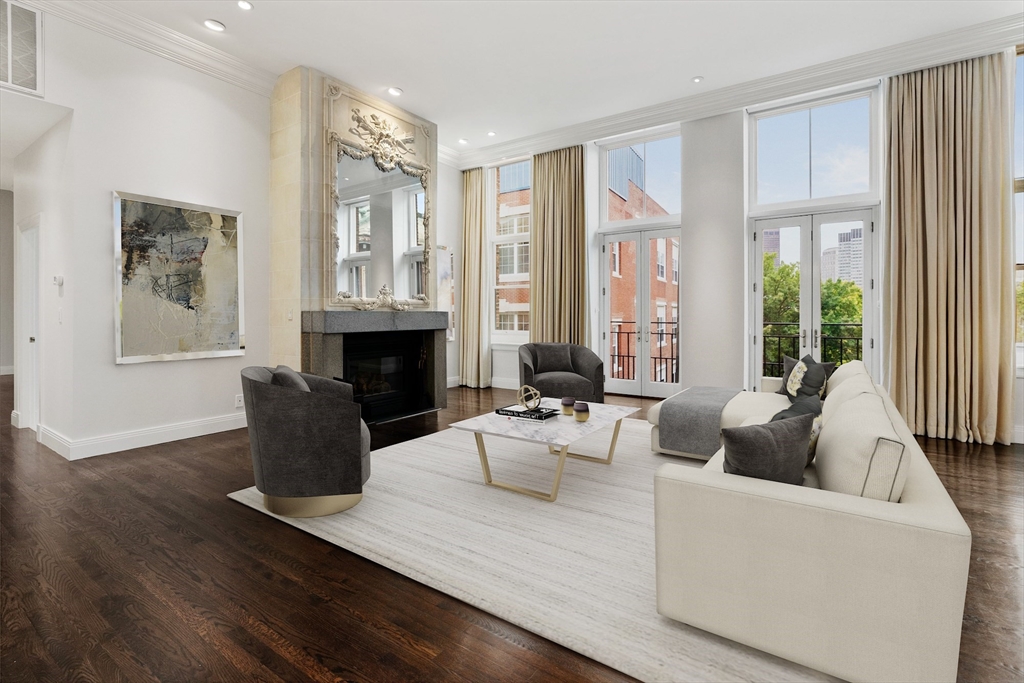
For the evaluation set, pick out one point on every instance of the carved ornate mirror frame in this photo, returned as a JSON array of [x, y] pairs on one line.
[[362, 127]]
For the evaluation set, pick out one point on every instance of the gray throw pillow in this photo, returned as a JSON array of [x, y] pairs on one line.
[[805, 405], [776, 451], [284, 376], [553, 358], [811, 377]]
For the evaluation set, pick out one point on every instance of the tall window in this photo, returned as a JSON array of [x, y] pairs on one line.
[[511, 242], [417, 210], [1018, 200], [661, 259], [814, 153], [644, 180], [360, 217]]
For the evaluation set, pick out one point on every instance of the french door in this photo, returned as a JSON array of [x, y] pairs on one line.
[[640, 314], [813, 290]]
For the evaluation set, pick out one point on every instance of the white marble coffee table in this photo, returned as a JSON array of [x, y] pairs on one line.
[[556, 433]]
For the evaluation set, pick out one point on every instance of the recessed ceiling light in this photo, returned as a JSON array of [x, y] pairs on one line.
[[697, 79], [463, 141], [344, 178], [244, 4], [491, 134], [214, 25], [395, 91]]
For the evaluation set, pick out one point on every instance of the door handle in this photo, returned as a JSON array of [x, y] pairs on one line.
[[647, 331], [815, 338], [31, 340], [803, 338]]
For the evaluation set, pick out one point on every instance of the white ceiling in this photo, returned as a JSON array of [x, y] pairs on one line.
[[520, 68]]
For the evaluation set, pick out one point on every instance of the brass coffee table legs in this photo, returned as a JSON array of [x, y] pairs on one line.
[[562, 454], [550, 497], [603, 461]]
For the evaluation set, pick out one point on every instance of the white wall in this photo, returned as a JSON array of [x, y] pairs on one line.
[[145, 125], [448, 232], [6, 282], [712, 253]]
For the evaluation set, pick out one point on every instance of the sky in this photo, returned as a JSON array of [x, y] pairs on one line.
[[664, 172]]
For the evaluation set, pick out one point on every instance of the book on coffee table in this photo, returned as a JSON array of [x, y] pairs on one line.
[[522, 413]]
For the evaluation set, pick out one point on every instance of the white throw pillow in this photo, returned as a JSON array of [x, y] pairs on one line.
[[843, 373], [860, 452], [851, 387]]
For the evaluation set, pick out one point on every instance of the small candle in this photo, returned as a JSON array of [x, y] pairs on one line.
[[567, 404], [581, 410]]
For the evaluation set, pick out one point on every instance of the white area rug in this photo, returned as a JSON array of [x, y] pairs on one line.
[[579, 571]]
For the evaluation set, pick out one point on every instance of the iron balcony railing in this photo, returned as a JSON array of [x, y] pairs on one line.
[[663, 347], [840, 343]]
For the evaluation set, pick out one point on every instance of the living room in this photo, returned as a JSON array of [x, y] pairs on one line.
[[144, 100]]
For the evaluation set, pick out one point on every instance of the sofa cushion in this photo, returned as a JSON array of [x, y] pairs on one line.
[[804, 384], [805, 405], [854, 386], [776, 451], [860, 451], [717, 464], [844, 372], [284, 376], [751, 403], [552, 358]]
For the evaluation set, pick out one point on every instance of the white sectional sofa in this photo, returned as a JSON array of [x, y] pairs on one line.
[[856, 587]]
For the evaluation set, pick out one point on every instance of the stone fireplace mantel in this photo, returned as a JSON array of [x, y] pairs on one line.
[[342, 322]]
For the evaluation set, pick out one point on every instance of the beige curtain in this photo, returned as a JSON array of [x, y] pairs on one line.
[[558, 249], [474, 338], [950, 306]]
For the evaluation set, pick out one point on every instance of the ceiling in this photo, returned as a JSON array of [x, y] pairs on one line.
[[520, 68]]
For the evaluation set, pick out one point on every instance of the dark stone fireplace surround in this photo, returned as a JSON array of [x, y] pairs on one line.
[[323, 349]]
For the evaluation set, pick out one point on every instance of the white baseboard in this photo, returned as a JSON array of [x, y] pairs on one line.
[[16, 419], [6, 369], [112, 443], [453, 381], [1018, 434], [505, 382]]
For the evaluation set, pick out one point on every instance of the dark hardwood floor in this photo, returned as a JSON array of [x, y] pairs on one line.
[[135, 566]]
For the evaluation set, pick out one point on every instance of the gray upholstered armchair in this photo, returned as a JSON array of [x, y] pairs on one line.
[[310, 449], [558, 370]]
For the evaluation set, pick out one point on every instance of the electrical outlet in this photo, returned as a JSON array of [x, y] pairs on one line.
[[239, 403]]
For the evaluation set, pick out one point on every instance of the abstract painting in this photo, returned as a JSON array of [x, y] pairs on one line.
[[179, 286]]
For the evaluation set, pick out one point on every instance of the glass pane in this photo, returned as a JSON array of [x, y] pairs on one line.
[[1018, 123], [663, 178], [780, 286], [359, 281], [362, 219], [840, 156], [783, 157], [663, 332], [626, 183], [420, 212], [842, 292], [513, 186], [622, 296], [4, 70], [23, 47]]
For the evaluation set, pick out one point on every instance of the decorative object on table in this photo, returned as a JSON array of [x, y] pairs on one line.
[[562, 370], [581, 410], [519, 412], [567, 404], [528, 397], [179, 280], [310, 449]]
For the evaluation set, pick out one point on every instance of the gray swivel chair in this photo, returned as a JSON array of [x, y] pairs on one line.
[[310, 449], [558, 370]]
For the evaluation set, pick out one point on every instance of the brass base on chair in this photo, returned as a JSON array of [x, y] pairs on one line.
[[311, 506]]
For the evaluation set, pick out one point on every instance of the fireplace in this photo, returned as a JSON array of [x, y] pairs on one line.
[[395, 361], [387, 372]]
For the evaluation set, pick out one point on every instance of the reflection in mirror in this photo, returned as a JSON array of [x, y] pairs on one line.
[[381, 230]]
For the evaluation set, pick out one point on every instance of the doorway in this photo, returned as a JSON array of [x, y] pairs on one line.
[[26, 297], [813, 290], [640, 312]]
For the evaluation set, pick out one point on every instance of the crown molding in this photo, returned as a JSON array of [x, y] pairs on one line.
[[105, 18], [942, 48], [447, 155]]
